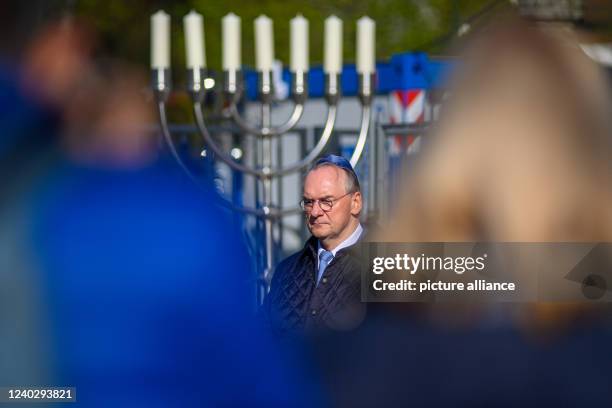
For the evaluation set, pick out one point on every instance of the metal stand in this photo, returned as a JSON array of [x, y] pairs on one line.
[[232, 88]]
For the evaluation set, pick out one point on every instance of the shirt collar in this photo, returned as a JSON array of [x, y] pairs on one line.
[[351, 240]]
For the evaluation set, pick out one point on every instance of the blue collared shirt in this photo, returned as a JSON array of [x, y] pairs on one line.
[[351, 240]]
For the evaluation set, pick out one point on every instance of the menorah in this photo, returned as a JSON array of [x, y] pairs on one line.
[[198, 84]]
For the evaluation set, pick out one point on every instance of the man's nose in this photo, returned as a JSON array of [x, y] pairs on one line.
[[316, 209]]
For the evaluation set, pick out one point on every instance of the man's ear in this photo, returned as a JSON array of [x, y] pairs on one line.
[[356, 203]]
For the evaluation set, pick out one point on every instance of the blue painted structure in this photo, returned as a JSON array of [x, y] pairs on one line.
[[403, 71]]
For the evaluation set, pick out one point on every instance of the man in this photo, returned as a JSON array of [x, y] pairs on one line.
[[319, 286]]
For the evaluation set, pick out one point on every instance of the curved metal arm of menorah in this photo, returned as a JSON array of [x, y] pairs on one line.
[[366, 82], [162, 90], [219, 153], [267, 172], [295, 117], [163, 123], [363, 134], [299, 94], [167, 135]]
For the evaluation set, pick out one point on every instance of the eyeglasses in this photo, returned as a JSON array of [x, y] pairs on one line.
[[326, 204]]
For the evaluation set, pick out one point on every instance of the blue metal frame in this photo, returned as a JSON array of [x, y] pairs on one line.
[[411, 70]]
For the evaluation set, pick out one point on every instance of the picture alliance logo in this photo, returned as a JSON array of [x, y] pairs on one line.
[[413, 264]]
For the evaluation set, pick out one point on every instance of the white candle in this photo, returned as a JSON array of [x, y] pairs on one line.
[[332, 62], [160, 40], [299, 44], [194, 40], [366, 28], [264, 44], [231, 42]]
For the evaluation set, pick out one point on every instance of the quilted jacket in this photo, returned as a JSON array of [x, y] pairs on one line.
[[296, 304]]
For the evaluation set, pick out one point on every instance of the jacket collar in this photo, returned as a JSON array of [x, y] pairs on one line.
[[311, 246]]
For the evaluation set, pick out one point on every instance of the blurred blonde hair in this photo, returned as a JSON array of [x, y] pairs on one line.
[[522, 150], [521, 153]]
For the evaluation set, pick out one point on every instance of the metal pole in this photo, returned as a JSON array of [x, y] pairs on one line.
[[373, 178], [381, 172], [266, 124], [267, 196], [279, 191]]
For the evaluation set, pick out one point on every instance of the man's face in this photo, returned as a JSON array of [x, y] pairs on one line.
[[329, 183]]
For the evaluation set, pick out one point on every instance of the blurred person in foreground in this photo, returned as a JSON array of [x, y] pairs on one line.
[[521, 153], [119, 277], [318, 287]]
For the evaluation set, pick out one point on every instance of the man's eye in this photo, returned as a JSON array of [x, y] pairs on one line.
[[328, 203], [308, 202]]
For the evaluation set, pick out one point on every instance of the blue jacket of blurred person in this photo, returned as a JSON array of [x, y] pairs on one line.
[[149, 294], [130, 284]]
